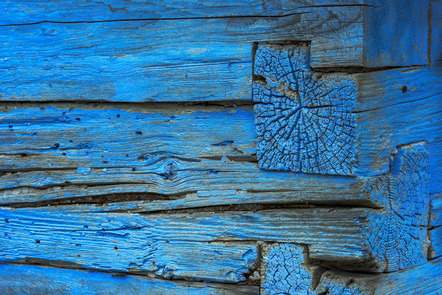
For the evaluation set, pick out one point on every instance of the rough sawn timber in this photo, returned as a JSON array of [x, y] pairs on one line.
[[32, 279], [78, 58]]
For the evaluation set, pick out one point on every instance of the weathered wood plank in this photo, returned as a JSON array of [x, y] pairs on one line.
[[49, 56], [123, 243], [334, 234], [32, 279], [376, 240], [339, 123], [408, 281], [208, 179], [81, 61], [71, 136], [31, 11], [173, 150]]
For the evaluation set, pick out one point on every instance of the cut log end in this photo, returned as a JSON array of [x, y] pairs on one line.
[[398, 236], [287, 270], [304, 119]]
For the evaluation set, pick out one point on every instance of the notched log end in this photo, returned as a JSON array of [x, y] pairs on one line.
[[304, 120], [287, 270], [397, 237]]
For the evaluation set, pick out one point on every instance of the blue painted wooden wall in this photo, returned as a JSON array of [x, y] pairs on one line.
[[220, 147]]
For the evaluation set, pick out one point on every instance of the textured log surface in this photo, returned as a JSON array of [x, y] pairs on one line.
[[273, 147], [118, 50], [28, 279], [385, 239], [171, 152]]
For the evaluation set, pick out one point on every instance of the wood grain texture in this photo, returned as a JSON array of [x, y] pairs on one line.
[[128, 243], [74, 151], [303, 123], [205, 167], [396, 33], [53, 61], [27, 279], [349, 236], [410, 281], [24, 12], [179, 242], [334, 282], [52, 52], [399, 236], [340, 123]]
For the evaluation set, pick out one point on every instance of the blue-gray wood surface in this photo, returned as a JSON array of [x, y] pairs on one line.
[[220, 147]]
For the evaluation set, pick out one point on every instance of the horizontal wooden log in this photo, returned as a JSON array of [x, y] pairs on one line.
[[123, 243], [51, 52], [360, 238], [195, 170], [71, 136], [408, 281], [81, 61], [60, 153], [339, 123], [20, 12], [141, 239], [32, 279]]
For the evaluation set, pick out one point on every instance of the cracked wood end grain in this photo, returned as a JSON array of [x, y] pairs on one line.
[[304, 119], [398, 236]]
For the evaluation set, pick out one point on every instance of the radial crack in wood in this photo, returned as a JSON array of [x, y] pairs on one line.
[[336, 122], [398, 236], [287, 270], [304, 120]]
